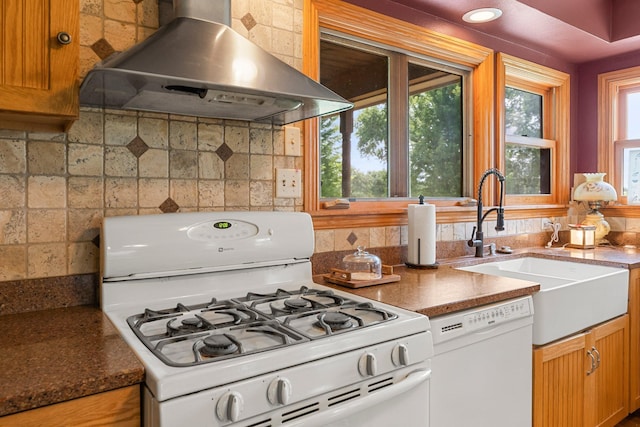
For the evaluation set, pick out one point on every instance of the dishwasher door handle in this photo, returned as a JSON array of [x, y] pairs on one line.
[[323, 419]]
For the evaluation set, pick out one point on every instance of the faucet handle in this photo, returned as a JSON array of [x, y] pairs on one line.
[[500, 220], [492, 248], [471, 241]]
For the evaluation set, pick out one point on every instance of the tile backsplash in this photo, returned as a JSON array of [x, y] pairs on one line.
[[56, 188]]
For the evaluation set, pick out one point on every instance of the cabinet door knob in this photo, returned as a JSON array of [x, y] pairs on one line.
[[63, 37]]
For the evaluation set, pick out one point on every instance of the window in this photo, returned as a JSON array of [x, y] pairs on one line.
[[534, 127], [359, 157], [619, 134], [629, 141], [421, 64], [416, 44], [527, 156]]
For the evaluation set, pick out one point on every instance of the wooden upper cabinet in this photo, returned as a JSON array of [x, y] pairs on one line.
[[39, 57]]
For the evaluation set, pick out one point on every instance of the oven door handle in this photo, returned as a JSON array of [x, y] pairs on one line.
[[412, 380]]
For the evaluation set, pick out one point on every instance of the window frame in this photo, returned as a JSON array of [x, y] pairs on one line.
[[610, 142], [554, 86], [397, 96], [360, 23]]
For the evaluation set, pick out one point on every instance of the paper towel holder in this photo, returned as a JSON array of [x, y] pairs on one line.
[[420, 266]]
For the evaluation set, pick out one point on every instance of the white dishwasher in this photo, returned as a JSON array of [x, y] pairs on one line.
[[482, 366]]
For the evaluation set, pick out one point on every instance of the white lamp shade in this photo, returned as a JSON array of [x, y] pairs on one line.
[[595, 189]]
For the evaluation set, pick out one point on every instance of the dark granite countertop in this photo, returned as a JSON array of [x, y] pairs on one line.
[[444, 290], [55, 355], [434, 292]]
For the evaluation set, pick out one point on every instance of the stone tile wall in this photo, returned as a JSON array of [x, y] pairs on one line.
[[56, 188]]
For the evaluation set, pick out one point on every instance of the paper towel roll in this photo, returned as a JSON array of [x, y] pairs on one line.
[[422, 235]]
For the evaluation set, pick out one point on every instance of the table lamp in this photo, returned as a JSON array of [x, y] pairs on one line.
[[595, 191]]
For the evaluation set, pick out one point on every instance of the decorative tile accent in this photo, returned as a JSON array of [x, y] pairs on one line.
[[224, 152], [137, 147], [102, 48], [352, 238], [248, 21], [169, 206]]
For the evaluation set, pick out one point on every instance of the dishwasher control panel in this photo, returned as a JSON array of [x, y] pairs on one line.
[[453, 325], [494, 315]]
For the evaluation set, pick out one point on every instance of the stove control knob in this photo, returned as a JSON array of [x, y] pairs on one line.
[[230, 406], [367, 365], [400, 355], [279, 391]]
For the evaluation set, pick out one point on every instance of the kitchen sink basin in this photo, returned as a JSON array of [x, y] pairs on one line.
[[573, 296]]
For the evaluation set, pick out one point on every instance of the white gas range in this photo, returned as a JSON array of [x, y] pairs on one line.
[[221, 309]]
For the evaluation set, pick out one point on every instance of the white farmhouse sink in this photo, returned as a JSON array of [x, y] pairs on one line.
[[572, 296]]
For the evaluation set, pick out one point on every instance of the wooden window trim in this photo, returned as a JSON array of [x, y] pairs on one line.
[[555, 87], [609, 152], [349, 19], [361, 23]]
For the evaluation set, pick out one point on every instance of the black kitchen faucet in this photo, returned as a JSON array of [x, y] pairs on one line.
[[478, 241]]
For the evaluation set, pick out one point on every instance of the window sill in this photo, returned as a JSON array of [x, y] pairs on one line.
[[624, 211], [388, 214]]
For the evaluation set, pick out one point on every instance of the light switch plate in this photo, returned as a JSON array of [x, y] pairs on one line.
[[288, 183], [292, 141]]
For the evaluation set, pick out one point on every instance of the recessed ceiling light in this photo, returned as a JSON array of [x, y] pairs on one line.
[[485, 14]]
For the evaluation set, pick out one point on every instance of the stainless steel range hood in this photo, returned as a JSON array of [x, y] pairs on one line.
[[197, 66]]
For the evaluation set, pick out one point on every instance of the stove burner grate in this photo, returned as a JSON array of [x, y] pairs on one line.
[[196, 334]]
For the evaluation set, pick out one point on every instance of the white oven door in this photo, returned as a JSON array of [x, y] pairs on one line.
[[405, 404]]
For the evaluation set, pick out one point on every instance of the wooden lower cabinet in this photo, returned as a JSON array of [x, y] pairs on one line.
[[583, 380], [119, 408], [634, 339]]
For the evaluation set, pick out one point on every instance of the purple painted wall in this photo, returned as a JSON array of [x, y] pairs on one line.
[[587, 130]]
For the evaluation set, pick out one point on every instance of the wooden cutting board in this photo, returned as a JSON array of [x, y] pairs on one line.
[[343, 278]]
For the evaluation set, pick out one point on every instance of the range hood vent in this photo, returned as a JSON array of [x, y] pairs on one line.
[[196, 65]]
